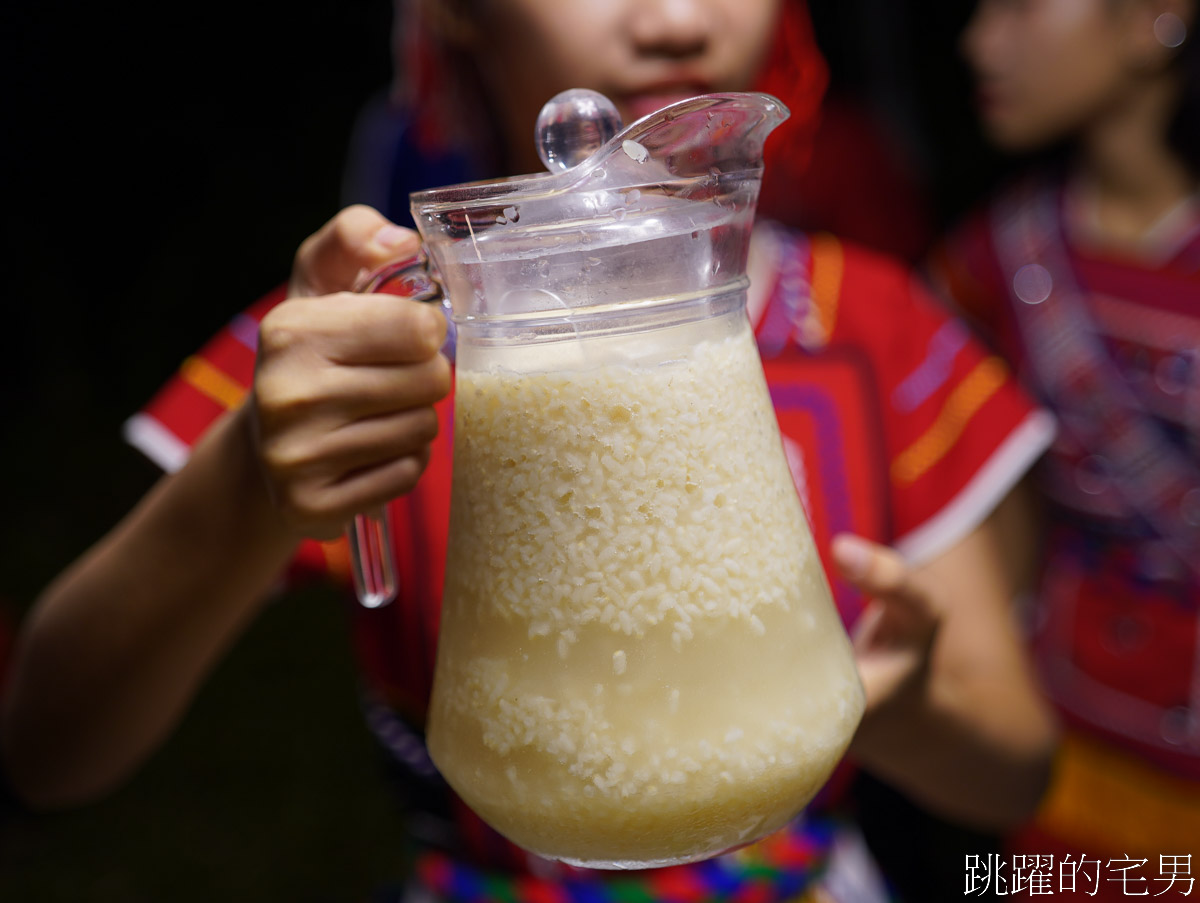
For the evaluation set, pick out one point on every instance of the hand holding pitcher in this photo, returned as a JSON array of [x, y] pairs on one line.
[[346, 382]]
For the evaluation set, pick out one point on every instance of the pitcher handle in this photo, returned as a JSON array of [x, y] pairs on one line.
[[370, 535]]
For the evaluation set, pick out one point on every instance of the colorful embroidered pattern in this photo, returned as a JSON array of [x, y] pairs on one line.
[[780, 868]]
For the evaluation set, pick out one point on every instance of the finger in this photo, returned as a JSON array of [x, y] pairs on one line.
[[378, 440], [371, 391], [306, 417], [324, 511], [900, 613], [352, 329], [337, 455], [892, 645], [883, 675], [328, 398], [384, 329], [366, 490], [875, 569], [358, 238]]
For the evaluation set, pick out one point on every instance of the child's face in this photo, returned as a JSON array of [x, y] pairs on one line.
[[1047, 68], [642, 54]]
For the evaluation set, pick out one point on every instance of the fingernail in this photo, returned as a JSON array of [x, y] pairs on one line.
[[852, 554], [390, 237]]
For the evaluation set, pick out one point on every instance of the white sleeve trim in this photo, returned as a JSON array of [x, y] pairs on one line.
[[967, 510], [156, 442]]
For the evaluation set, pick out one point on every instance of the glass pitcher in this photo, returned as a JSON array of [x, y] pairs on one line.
[[639, 661]]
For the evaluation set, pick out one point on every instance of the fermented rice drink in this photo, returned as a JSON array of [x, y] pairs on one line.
[[639, 662]]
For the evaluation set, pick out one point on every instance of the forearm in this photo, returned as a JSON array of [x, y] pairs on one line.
[[971, 750], [342, 409], [112, 654], [954, 716]]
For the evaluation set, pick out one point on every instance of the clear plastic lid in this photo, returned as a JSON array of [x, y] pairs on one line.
[[662, 209]]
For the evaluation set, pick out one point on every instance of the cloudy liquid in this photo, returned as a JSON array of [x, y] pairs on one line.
[[639, 661]]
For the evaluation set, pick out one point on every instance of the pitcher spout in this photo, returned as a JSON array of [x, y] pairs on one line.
[[721, 132]]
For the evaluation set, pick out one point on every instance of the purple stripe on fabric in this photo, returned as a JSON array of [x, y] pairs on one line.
[[791, 297], [245, 329], [833, 477], [405, 745], [931, 374]]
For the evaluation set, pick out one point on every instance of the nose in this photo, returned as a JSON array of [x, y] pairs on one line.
[[672, 28]]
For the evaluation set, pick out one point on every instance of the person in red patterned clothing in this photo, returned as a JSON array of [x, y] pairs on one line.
[[905, 440], [1085, 272]]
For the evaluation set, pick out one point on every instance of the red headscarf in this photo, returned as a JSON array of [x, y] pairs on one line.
[[796, 73]]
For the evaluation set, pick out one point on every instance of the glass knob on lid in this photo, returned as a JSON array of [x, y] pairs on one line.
[[572, 126]]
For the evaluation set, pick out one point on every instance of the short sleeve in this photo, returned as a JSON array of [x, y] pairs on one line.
[[959, 432], [208, 384]]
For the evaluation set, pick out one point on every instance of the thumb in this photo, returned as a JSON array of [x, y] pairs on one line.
[[894, 636], [875, 569], [358, 239], [882, 574]]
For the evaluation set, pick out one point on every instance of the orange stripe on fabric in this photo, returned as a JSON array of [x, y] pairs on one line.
[[337, 558], [966, 399], [1108, 800], [826, 280], [218, 386], [812, 895]]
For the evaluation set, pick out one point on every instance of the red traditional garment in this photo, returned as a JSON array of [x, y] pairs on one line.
[[1112, 344], [897, 426]]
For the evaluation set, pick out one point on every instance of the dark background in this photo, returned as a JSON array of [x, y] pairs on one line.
[[161, 164]]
